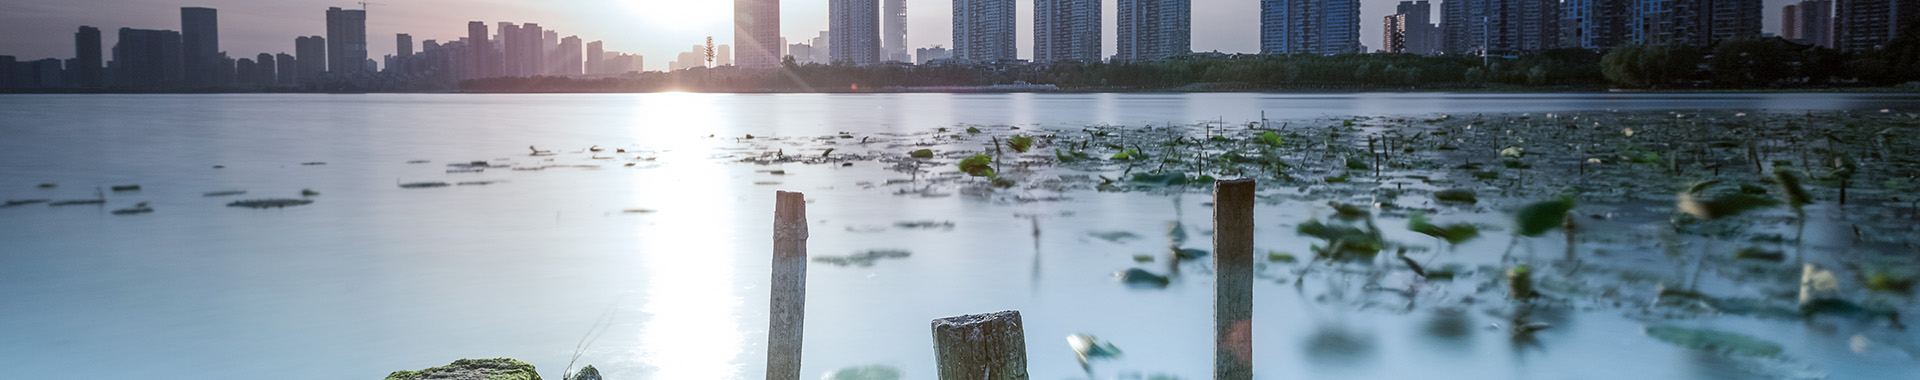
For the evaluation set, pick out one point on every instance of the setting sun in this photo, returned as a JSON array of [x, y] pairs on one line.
[[682, 15]]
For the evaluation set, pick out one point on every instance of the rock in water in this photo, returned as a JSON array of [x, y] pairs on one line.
[[476, 369], [872, 372], [586, 373]]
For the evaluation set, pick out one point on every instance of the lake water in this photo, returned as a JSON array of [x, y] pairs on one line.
[[373, 278]]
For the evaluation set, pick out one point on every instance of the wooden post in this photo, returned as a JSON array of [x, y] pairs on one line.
[[1233, 279], [980, 347], [789, 301]]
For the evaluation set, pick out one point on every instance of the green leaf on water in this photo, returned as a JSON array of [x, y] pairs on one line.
[[1453, 233], [923, 153], [1271, 139], [1162, 179], [1063, 156], [1797, 195], [1337, 179], [1020, 143], [980, 165], [973, 130], [1456, 195], [1355, 163], [1715, 341], [1344, 242], [1538, 218], [1125, 155], [1724, 205]]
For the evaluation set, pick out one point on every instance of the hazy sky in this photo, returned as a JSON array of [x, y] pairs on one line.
[[658, 29]]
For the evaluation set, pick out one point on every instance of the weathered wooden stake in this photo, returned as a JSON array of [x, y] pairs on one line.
[[1233, 279], [981, 347], [789, 301]]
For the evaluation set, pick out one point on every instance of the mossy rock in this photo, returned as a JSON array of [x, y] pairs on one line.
[[473, 369]]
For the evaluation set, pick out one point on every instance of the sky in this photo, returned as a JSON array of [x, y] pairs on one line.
[[657, 29]]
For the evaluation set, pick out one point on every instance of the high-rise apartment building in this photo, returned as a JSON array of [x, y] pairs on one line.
[[146, 58], [1697, 23], [1066, 30], [596, 52], [1808, 22], [286, 70], [1500, 27], [1309, 26], [893, 31], [200, 42], [87, 66], [1594, 24], [1410, 29], [346, 40], [854, 26], [570, 57], [533, 51], [924, 56], [480, 60], [756, 33], [1865, 25], [1153, 29], [403, 45], [311, 53], [983, 31]]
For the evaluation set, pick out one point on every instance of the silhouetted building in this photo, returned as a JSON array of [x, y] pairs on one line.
[[346, 41], [1864, 25], [929, 55], [1594, 24], [1410, 29], [801, 53], [200, 42], [265, 73], [1808, 22], [756, 31], [247, 72], [285, 70], [1697, 23], [821, 49], [893, 31], [311, 52], [855, 29], [403, 45], [146, 58], [595, 58], [1066, 30], [983, 31], [1154, 29], [1500, 27], [723, 55], [570, 56], [480, 60], [88, 68]]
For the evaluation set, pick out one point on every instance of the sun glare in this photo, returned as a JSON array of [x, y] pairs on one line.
[[684, 15]]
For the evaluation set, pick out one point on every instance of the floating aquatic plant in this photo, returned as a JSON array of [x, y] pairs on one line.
[[980, 165], [923, 153], [1453, 233], [1538, 218], [1020, 143]]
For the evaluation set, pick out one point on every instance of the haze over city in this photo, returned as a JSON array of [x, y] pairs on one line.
[[656, 29]]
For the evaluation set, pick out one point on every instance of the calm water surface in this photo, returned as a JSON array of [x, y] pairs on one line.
[[373, 278]]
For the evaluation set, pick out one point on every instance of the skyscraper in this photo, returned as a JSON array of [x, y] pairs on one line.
[[403, 45], [1500, 27], [596, 59], [756, 32], [983, 31], [147, 59], [1864, 25], [1066, 30], [87, 66], [1410, 29], [1153, 29], [570, 56], [480, 60], [346, 40], [1594, 24], [1309, 26], [1808, 22], [200, 42], [855, 29], [265, 73], [1724, 20], [513, 45], [893, 32], [533, 49], [286, 70], [311, 52]]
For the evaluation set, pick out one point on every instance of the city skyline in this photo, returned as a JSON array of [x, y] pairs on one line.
[[44, 30]]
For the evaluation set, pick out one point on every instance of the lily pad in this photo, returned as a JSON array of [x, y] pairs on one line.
[[979, 165], [1271, 139], [1020, 143], [1452, 233], [1715, 341], [1161, 179], [1141, 277], [923, 153], [1538, 218], [1114, 236]]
